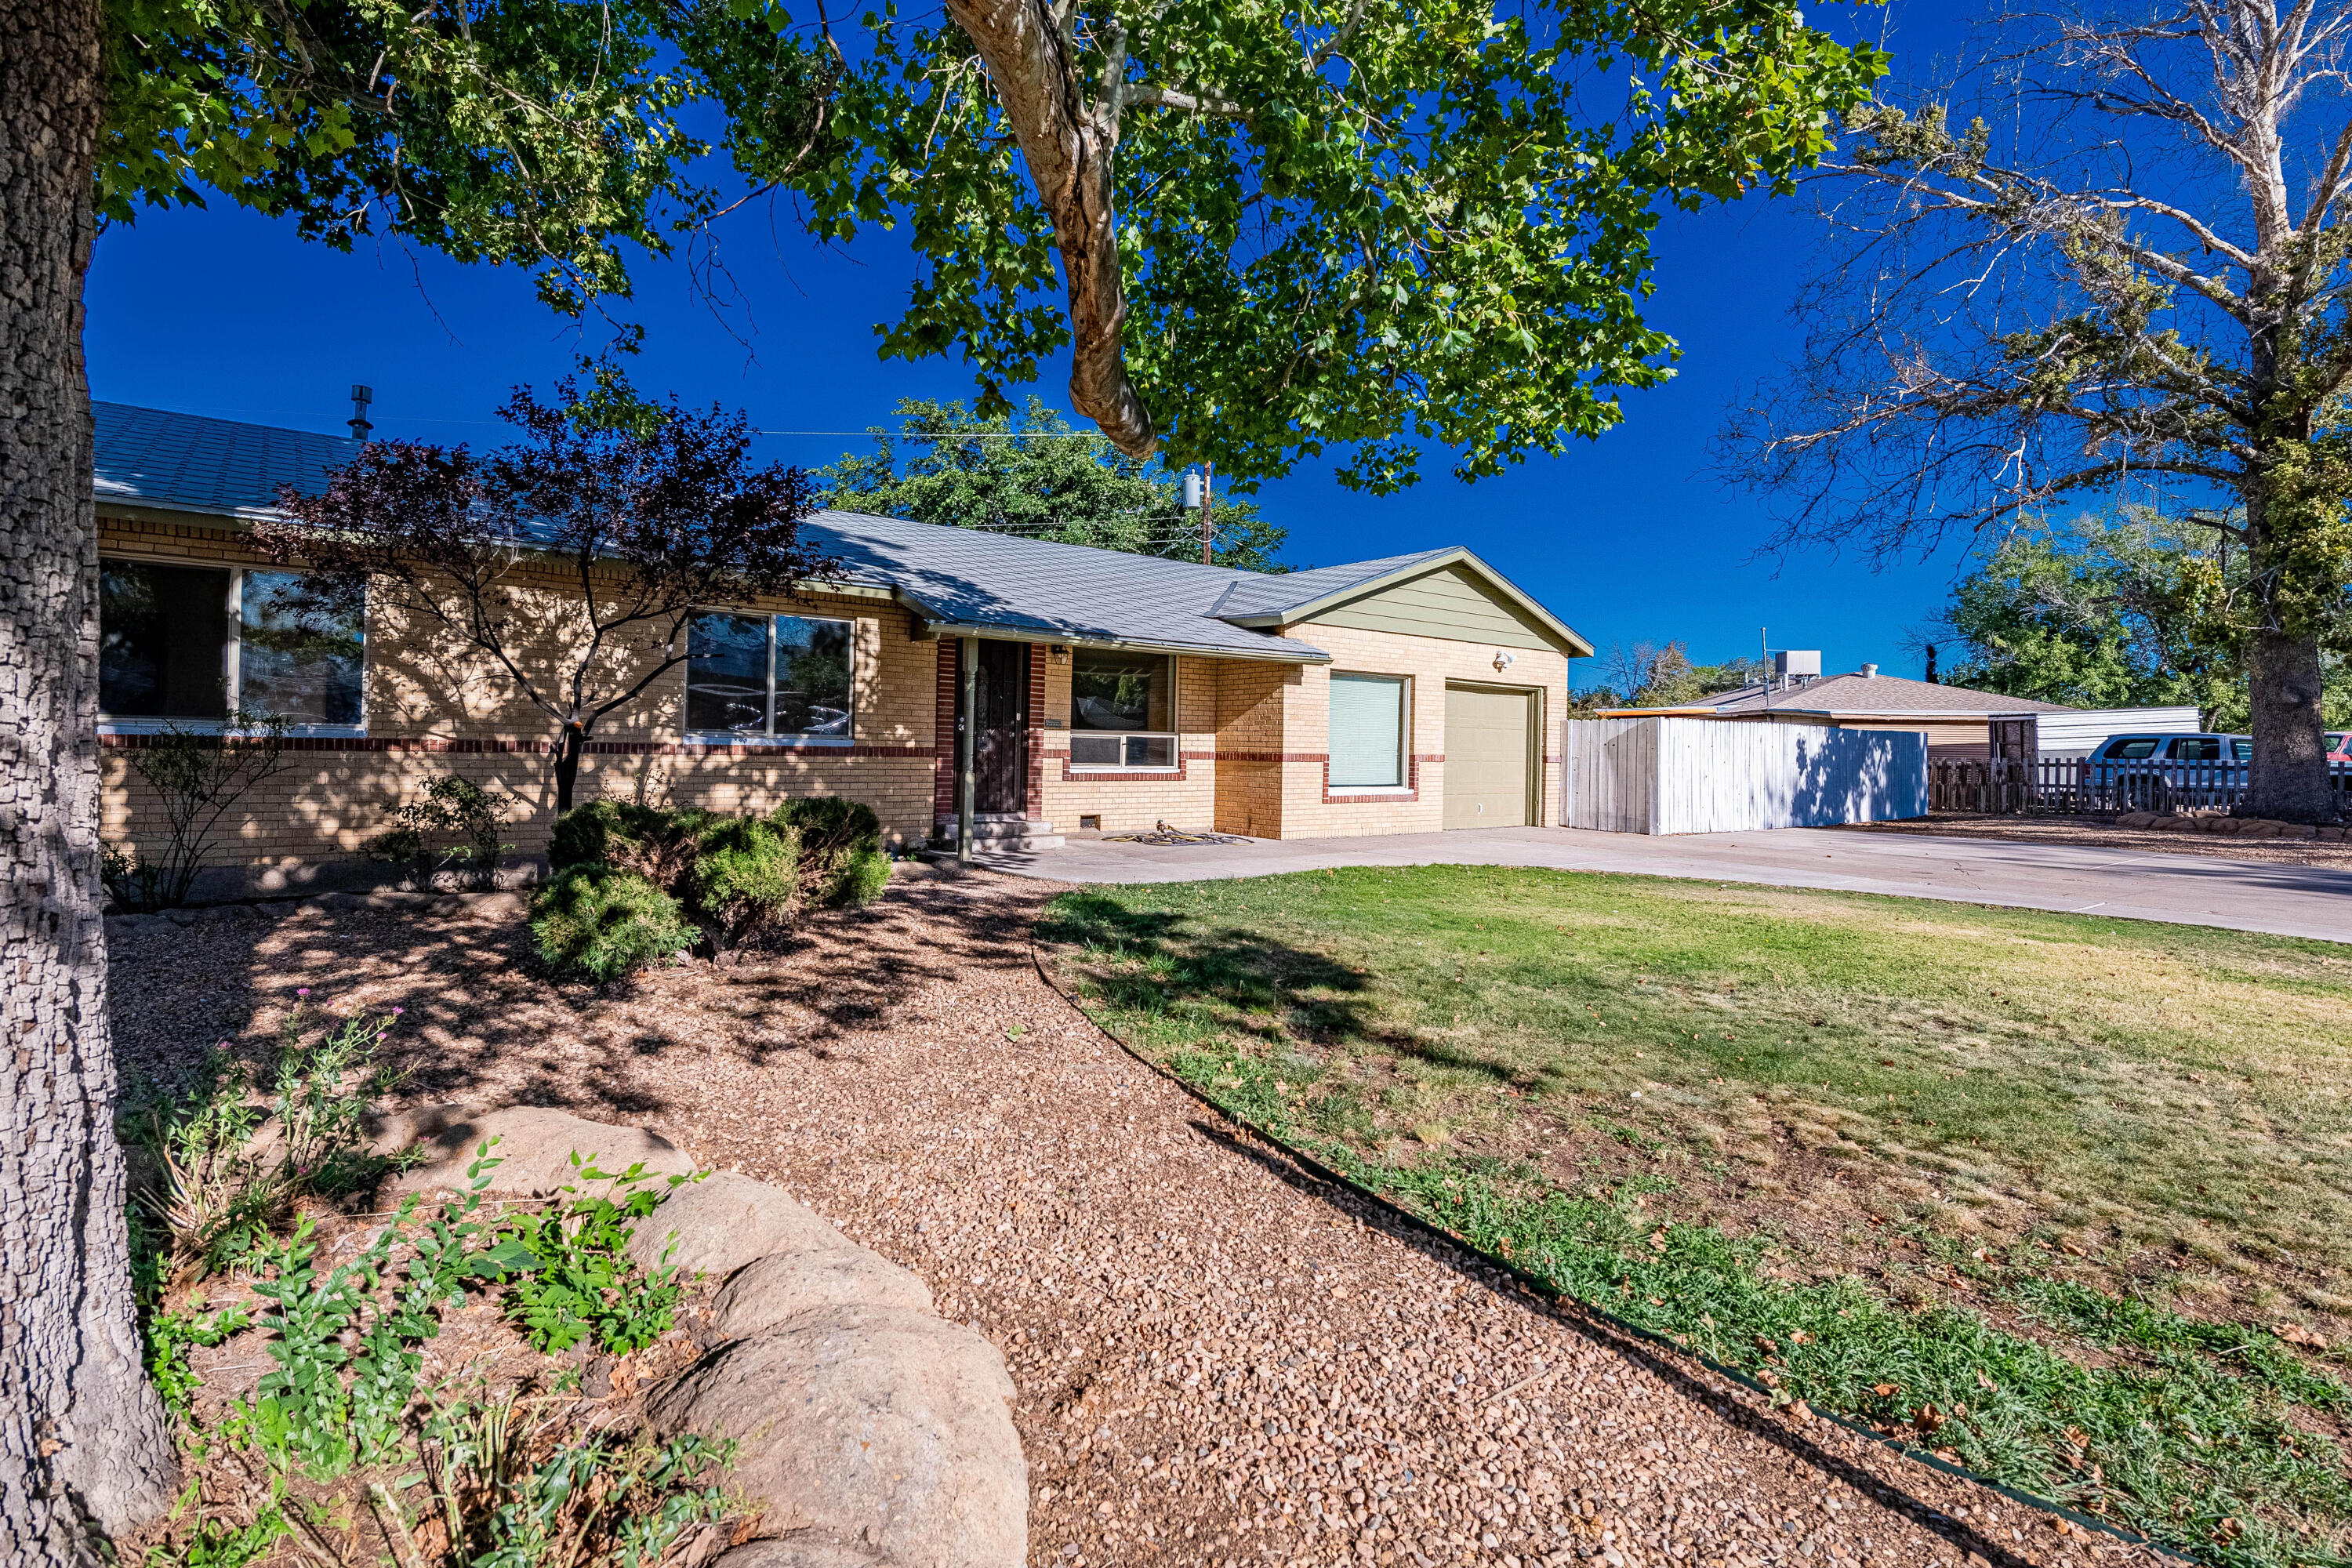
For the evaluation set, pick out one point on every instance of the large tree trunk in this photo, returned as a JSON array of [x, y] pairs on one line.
[[82, 1435], [1069, 147], [2288, 781]]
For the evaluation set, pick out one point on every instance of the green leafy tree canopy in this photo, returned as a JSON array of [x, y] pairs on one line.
[[1263, 233], [1032, 475]]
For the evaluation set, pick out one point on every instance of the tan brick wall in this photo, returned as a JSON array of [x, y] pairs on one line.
[[435, 709], [1185, 796], [1430, 662]]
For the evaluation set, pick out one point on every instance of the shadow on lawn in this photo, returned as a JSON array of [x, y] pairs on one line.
[[1246, 983], [1484, 1273]]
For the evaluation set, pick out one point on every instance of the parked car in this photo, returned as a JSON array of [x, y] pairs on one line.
[[2339, 745], [2154, 772]]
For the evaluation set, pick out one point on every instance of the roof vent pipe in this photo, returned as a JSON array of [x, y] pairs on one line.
[[360, 398], [1869, 670]]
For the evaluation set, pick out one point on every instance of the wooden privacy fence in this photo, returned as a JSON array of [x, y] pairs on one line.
[[1715, 775], [2071, 784]]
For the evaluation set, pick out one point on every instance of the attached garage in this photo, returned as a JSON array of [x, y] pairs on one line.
[[1490, 755]]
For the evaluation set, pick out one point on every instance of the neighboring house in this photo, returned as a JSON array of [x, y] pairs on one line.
[[1960, 724], [1112, 690], [2078, 733]]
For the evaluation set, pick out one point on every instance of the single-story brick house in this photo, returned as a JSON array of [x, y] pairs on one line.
[[1111, 690]]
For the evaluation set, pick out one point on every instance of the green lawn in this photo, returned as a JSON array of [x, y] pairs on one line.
[[2052, 1194]]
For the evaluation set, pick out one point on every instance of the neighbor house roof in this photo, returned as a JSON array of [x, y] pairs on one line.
[[1854, 696], [961, 582]]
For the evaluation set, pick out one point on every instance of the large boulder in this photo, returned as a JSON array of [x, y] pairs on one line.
[[875, 1428], [718, 1225], [533, 1146], [781, 1286]]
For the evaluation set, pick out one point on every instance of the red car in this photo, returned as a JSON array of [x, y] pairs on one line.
[[2339, 745]]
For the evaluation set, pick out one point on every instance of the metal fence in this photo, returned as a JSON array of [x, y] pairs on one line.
[[2074, 785]]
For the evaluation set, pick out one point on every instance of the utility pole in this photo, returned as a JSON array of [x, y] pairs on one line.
[[1208, 476]]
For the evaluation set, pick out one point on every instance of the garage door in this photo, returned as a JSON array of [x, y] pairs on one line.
[[1488, 736]]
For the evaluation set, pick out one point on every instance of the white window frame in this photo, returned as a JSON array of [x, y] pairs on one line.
[[232, 658], [770, 737], [1404, 784], [1174, 738]]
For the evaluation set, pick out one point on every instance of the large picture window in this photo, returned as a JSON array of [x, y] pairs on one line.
[[191, 642], [1368, 732], [769, 676], [1122, 709]]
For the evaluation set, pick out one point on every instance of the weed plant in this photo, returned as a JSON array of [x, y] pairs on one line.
[[578, 1284], [452, 828]]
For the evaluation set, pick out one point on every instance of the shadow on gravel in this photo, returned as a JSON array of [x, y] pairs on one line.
[[480, 1017], [1691, 1384]]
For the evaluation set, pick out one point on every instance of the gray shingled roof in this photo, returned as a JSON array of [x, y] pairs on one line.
[[1857, 693], [1270, 594], [1071, 592], [956, 578], [181, 462]]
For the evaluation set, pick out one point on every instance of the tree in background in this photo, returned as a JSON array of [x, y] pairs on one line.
[[2132, 267], [1032, 475], [1654, 675], [604, 528], [2107, 612]]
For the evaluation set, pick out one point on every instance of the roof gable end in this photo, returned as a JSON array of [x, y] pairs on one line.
[[1449, 593]]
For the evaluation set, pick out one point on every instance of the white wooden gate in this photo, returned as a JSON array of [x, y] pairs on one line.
[[1715, 775]]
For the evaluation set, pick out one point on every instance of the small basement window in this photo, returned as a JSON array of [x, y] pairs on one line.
[[1368, 732], [191, 642]]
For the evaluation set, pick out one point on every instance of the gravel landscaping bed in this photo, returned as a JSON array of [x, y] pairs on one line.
[[1219, 1358]]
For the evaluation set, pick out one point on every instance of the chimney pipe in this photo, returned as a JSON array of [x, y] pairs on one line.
[[360, 398], [1868, 670]]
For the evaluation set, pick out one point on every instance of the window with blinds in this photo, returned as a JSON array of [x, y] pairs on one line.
[[1368, 732]]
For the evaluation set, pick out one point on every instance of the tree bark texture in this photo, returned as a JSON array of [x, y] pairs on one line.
[[1069, 148], [2288, 779], [82, 1435]]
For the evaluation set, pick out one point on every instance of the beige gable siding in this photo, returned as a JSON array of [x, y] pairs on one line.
[[1449, 603]]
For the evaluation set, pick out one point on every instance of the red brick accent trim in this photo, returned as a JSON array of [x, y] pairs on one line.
[[1035, 784], [469, 746], [943, 734], [1410, 792], [1107, 775]]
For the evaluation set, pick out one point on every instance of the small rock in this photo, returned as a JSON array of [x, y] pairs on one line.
[[868, 1424], [782, 1285], [534, 1148], [718, 1225]]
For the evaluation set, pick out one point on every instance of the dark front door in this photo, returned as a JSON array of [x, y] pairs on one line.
[[1001, 748]]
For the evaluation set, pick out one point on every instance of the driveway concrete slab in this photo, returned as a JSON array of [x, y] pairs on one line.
[[2242, 895]]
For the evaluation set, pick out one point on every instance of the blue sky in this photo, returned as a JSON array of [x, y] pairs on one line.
[[223, 313]]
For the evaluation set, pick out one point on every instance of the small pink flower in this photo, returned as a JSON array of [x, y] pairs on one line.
[[301, 991], [396, 1012]]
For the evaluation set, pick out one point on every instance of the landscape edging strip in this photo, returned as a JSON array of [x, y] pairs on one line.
[[1552, 1293]]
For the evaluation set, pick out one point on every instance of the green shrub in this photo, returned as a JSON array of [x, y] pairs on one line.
[[842, 858], [639, 838], [602, 922], [743, 875], [580, 1284], [451, 808]]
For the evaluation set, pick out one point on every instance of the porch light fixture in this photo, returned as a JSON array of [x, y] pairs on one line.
[[1504, 660], [1061, 654]]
